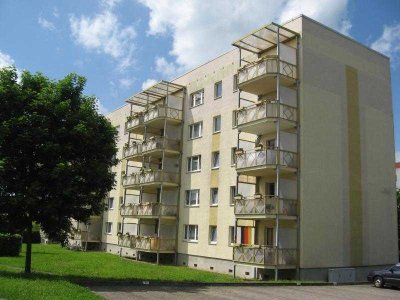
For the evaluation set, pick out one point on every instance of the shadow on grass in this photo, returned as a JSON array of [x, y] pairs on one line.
[[111, 284]]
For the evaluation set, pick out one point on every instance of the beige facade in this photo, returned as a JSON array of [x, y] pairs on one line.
[[272, 160]]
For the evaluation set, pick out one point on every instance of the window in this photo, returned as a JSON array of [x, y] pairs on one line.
[[214, 196], [119, 226], [218, 90], [213, 235], [192, 197], [269, 236], [195, 130], [217, 124], [111, 203], [194, 163], [232, 194], [108, 227], [215, 160], [233, 155], [231, 237], [121, 200], [197, 98], [235, 82], [191, 233]]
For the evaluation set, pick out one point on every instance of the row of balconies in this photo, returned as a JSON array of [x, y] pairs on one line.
[[149, 209], [151, 145], [151, 115], [147, 243]]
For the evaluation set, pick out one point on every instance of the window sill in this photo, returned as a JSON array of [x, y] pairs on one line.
[[196, 171], [216, 132], [212, 243], [216, 98], [214, 205], [195, 205], [191, 241], [195, 138], [215, 168], [197, 105]]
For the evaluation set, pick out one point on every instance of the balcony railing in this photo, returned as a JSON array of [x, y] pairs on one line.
[[132, 150], [150, 177], [146, 243], [264, 110], [85, 236], [134, 120], [149, 209], [162, 112], [264, 255], [265, 205], [160, 143], [256, 158], [266, 65]]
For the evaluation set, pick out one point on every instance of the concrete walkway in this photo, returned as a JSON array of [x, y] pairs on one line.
[[365, 292]]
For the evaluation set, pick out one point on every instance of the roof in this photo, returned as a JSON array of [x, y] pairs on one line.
[[154, 93], [265, 38]]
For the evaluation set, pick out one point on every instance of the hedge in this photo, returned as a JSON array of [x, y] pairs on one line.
[[10, 244]]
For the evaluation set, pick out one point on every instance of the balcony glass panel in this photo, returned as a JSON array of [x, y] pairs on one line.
[[265, 110], [149, 209], [265, 205], [162, 112], [150, 177], [263, 255], [160, 143], [256, 158]]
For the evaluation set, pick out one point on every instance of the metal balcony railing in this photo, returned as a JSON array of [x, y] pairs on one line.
[[162, 112], [265, 110], [266, 65], [256, 158], [146, 243], [160, 143], [134, 149], [83, 235], [150, 177], [149, 209], [133, 121], [265, 255], [265, 205]]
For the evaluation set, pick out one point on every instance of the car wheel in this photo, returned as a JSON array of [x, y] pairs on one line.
[[378, 282]]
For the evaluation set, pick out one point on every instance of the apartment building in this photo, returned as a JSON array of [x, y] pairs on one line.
[[274, 160]]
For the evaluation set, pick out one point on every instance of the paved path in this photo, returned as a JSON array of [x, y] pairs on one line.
[[364, 292]]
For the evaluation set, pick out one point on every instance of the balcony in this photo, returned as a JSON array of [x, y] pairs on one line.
[[149, 210], [155, 116], [135, 123], [156, 145], [133, 152], [263, 162], [84, 236], [149, 177], [147, 243], [259, 77], [259, 118], [265, 256], [261, 206]]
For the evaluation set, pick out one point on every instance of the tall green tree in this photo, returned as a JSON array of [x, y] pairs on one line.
[[56, 154]]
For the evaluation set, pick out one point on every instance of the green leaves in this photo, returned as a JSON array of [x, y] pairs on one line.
[[56, 152]]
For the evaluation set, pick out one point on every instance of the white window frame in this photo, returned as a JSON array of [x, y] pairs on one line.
[[191, 130], [214, 124], [189, 194], [199, 95], [190, 162], [109, 226], [215, 160], [110, 203], [216, 96], [187, 233], [213, 235], [214, 200]]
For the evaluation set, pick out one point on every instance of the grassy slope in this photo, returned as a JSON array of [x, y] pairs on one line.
[[103, 266]]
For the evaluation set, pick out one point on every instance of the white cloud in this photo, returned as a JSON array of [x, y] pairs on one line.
[[6, 60], [202, 29], [56, 14], [101, 108], [168, 69], [148, 83], [126, 83], [110, 3], [389, 42], [46, 24], [104, 33]]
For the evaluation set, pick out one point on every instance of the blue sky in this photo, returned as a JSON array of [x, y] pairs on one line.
[[121, 46]]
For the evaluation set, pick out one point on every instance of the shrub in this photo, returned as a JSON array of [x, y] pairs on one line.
[[35, 239], [10, 244]]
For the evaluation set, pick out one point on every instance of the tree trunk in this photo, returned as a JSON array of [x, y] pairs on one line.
[[28, 257]]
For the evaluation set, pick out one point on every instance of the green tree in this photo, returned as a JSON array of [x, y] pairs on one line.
[[56, 154]]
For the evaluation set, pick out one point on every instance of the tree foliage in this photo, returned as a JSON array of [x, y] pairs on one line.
[[56, 152]]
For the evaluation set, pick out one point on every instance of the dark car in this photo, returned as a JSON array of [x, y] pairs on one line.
[[390, 277]]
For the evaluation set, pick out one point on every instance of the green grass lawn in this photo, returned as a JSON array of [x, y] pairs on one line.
[[53, 269]]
